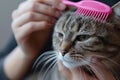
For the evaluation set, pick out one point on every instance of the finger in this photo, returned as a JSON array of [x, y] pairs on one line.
[[14, 14], [29, 28], [32, 16], [101, 71], [55, 3], [37, 7]]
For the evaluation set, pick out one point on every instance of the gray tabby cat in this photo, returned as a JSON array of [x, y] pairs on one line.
[[78, 38]]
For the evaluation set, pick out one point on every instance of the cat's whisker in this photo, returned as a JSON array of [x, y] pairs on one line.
[[43, 57], [108, 66], [95, 70], [112, 61], [88, 68], [106, 58], [84, 76], [46, 59], [112, 70], [43, 74], [93, 75], [49, 60], [80, 73], [77, 55], [47, 70]]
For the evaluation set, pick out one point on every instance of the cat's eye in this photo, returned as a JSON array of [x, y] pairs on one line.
[[82, 37], [60, 35]]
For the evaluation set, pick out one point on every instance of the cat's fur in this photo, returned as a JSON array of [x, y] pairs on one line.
[[78, 38]]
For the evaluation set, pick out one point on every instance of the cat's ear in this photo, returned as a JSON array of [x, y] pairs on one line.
[[116, 9], [70, 9], [115, 16]]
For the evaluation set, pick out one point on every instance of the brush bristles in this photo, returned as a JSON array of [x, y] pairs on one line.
[[94, 9], [99, 16]]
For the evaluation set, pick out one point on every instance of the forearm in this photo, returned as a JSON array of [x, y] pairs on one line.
[[16, 65]]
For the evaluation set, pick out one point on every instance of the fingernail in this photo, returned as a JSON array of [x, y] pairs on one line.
[[57, 14], [61, 6]]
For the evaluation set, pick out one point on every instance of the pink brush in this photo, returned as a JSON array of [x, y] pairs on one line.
[[97, 10]]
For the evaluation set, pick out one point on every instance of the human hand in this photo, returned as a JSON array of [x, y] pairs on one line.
[[100, 71], [32, 23]]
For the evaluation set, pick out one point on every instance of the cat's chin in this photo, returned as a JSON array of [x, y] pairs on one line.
[[69, 62]]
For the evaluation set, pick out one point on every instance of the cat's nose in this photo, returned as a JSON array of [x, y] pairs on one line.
[[63, 52], [64, 48]]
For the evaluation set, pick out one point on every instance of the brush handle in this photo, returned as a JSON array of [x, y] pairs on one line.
[[75, 4], [69, 3], [89, 4]]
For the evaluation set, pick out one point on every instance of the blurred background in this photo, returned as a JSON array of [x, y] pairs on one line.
[[6, 8]]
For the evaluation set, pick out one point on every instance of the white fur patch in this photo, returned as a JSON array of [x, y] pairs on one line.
[[69, 62]]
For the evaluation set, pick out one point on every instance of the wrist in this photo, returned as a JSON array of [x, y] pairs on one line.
[[18, 61], [29, 57]]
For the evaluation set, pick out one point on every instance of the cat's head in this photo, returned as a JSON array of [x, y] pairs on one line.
[[79, 38]]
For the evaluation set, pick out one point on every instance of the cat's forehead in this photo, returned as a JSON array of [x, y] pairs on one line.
[[78, 18], [71, 21]]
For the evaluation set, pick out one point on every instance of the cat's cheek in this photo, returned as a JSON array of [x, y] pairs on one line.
[[79, 48], [56, 43]]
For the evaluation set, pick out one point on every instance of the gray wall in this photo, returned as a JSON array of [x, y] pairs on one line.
[[6, 8]]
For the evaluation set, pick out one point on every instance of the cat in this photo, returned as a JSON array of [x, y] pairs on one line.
[[79, 38]]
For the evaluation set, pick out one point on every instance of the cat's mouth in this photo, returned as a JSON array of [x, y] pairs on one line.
[[70, 62]]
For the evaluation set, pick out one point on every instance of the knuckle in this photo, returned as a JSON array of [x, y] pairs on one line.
[[32, 6], [30, 15], [45, 8], [31, 26], [14, 13], [13, 25], [19, 37], [44, 23], [15, 30], [21, 5], [49, 10]]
